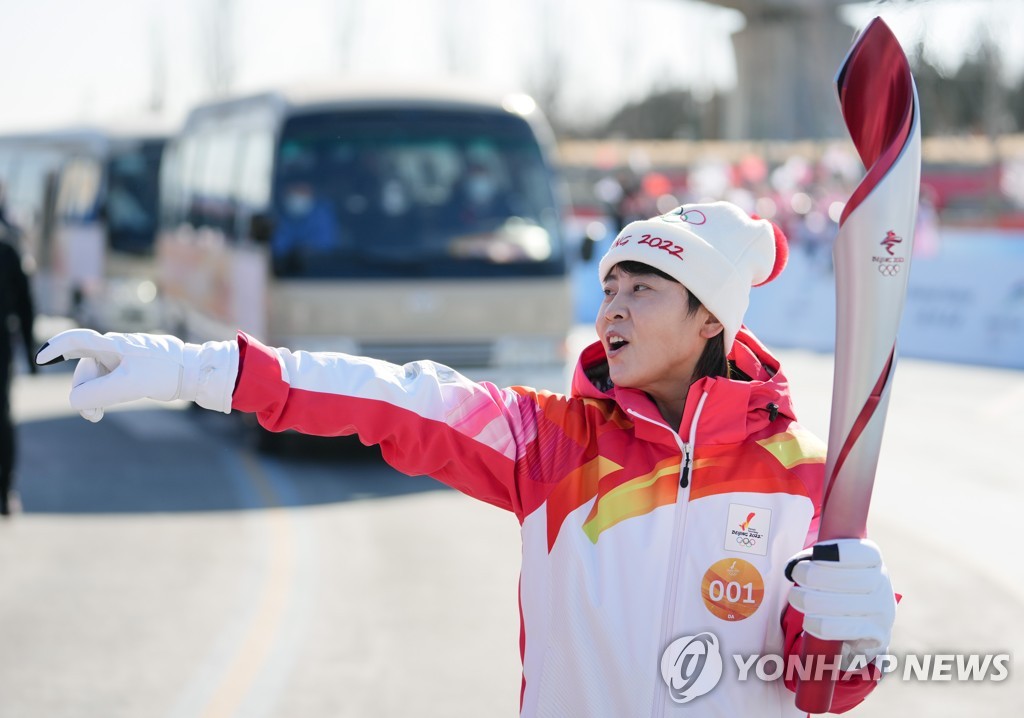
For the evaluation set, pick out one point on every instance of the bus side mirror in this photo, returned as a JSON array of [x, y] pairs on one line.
[[594, 233], [587, 249], [261, 227]]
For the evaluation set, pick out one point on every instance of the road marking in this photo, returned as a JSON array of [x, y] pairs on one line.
[[264, 626]]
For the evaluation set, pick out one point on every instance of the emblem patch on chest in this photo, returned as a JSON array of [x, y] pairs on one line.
[[747, 529]]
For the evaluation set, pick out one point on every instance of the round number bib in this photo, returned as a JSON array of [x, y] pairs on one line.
[[732, 589]]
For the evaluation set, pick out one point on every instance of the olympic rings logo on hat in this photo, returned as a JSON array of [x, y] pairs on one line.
[[745, 541], [689, 216]]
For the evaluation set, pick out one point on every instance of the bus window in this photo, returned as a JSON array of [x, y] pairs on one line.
[[412, 192], [6, 164], [171, 190], [217, 182], [191, 158], [132, 181], [253, 193], [79, 195], [25, 193]]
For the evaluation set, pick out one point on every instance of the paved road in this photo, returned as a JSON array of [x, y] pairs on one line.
[[164, 568]]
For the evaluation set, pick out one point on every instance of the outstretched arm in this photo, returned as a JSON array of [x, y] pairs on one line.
[[427, 418]]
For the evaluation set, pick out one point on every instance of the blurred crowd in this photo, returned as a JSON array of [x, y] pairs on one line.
[[804, 196]]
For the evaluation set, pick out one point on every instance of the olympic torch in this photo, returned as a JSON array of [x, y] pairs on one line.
[[872, 255]]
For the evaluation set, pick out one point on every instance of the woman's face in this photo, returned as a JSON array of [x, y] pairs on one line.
[[651, 340]]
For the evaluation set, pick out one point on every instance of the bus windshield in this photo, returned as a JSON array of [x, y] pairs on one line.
[[132, 184], [412, 192]]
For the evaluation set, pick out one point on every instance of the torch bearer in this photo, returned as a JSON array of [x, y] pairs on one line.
[[872, 254]]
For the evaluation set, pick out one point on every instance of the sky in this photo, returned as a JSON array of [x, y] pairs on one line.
[[70, 62]]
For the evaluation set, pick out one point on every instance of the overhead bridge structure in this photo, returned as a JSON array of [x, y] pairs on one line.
[[786, 59]]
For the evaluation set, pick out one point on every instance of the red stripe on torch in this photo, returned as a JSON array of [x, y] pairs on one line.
[[858, 427]]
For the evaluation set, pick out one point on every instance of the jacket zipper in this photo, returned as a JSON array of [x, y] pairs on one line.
[[684, 472], [678, 527]]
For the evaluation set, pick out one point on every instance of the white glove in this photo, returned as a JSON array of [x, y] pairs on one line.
[[845, 594], [115, 368]]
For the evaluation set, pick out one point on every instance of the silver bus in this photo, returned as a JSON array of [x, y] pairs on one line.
[[399, 223]]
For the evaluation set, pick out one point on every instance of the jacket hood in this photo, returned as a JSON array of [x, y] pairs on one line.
[[733, 408]]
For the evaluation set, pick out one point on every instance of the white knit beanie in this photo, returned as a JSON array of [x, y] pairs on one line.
[[715, 250]]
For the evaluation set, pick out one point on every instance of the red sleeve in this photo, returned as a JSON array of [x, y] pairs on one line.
[[852, 686], [426, 418]]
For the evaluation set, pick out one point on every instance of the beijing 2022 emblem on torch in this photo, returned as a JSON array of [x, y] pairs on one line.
[[890, 263]]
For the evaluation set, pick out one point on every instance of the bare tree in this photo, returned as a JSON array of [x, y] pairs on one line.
[[348, 19], [217, 33], [547, 82], [452, 37], [157, 67], [990, 57], [971, 98]]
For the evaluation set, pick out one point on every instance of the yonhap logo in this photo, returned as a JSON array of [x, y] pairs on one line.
[[691, 666]]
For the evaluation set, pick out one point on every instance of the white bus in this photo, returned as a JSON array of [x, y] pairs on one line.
[[83, 203], [400, 224], [105, 226]]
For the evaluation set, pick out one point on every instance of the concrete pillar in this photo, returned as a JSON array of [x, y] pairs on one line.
[[786, 60]]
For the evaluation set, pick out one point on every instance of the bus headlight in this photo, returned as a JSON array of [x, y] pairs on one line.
[[146, 291]]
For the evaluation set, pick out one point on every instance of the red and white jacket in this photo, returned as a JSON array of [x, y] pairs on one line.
[[635, 533]]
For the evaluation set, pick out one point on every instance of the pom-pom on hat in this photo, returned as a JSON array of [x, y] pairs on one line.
[[715, 250]]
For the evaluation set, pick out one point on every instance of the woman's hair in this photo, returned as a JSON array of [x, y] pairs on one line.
[[712, 361]]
